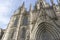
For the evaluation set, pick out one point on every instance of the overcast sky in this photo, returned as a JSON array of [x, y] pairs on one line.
[[7, 8]]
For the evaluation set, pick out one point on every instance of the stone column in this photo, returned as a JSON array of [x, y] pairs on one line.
[[22, 10], [30, 25]]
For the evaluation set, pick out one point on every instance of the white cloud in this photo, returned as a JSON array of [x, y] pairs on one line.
[[3, 21]]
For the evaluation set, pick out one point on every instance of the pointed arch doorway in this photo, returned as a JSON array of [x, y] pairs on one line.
[[46, 31]]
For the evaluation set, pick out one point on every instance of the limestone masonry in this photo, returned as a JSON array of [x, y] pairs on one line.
[[40, 23]]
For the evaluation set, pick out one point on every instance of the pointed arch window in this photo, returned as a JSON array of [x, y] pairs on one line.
[[25, 20], [23, 33], [16, 21]]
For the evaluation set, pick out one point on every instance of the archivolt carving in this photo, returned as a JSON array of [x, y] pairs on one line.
[[46, 31]]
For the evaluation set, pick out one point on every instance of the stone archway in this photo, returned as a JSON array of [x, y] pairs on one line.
[[46, 31]]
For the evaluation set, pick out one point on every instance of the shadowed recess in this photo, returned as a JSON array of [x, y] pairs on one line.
[[46, 31]]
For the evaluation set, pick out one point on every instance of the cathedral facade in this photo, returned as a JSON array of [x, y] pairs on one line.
[[40, 23]]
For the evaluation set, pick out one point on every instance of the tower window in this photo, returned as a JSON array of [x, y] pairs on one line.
[[25, 20]]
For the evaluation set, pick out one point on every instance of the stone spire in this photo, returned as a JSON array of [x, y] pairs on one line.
[[20, 9], [23, 7], [30, 8]]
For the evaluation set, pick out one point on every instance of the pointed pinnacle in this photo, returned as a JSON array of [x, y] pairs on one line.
[[30, 8], [23, 4]]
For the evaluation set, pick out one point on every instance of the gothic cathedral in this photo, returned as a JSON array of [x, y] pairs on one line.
[[40, 23]]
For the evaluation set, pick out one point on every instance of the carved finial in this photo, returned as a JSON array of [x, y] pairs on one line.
[[22, 5]]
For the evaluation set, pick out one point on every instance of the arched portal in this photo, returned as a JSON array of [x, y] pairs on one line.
[[46, 31], [23, 33]]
